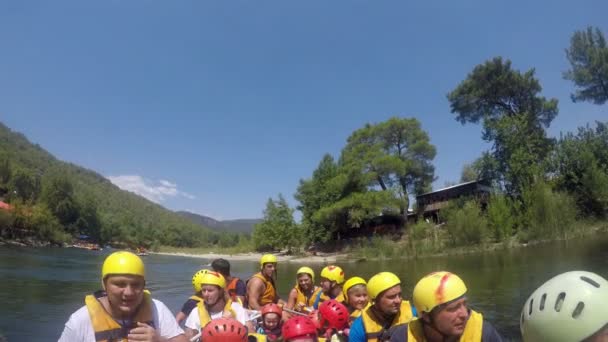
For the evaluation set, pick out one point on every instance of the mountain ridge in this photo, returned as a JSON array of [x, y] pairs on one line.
[[244, 225]]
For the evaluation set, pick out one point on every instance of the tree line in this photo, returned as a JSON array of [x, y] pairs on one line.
[[542, 184]]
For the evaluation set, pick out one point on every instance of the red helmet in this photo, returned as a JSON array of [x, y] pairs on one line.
[[298, 326], [271, 308], [224, 330], [334, 313]]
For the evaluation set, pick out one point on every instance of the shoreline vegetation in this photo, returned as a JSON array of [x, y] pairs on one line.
[[379, 248]]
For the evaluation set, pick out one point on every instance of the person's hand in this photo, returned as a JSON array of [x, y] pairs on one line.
[[143, 333]]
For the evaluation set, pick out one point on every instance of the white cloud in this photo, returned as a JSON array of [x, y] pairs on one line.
[[155, 191]]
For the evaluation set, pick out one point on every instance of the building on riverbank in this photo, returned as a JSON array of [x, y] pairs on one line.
[[430, 203]]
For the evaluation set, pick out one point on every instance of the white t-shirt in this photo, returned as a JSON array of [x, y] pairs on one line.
[[194, 322], [80, 329]]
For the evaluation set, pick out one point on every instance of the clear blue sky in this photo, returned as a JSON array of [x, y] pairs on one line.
[[213, 106]]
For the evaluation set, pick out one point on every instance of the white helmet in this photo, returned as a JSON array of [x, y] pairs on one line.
[[569, 307]]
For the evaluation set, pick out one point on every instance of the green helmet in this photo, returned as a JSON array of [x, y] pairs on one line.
[[569, 307]]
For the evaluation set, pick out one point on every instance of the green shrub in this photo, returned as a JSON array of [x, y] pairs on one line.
[[467, 226], [547, 214], [501, 218]]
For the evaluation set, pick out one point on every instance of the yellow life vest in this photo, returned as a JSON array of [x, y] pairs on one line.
[[196, 298], [373, 329], [472, 331], [270, 293], [257, 337], [204, 316], [355, 313], [107, 328], [307, 301], [340, 297]]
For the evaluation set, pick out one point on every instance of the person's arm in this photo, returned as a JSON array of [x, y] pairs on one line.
[[291, 299], [255, 289], [187, 308]]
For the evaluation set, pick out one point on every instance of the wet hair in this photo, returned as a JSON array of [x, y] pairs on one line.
[[222, 266]]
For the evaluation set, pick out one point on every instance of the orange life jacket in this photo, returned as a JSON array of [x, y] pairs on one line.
[[270, 292]]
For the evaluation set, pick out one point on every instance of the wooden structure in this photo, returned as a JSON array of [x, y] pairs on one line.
[[430, 203]]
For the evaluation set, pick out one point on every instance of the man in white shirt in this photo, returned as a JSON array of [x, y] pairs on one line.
[[216, 304], [124, 310]]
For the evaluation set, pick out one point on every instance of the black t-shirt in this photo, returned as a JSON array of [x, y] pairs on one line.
[[188, 306], [241, 289], [488, 333]]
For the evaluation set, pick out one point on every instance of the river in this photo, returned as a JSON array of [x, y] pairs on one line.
[[40, 288]]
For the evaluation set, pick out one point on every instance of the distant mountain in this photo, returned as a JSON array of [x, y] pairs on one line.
[[235, 226], [98, 208]]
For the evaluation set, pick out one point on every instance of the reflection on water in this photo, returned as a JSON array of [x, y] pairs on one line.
[[40, 288]]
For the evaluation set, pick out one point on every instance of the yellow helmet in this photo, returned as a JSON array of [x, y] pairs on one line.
[[267, 259], [306, 270], [380, 283], [437, 288], [122, 262], [333, 273], [207, 277], [350, 283]]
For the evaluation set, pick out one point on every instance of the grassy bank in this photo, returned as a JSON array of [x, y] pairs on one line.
[[429, 240]]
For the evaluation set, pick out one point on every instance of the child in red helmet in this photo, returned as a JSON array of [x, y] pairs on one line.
[[299, 329], [271, 322], [333, 320], [224, 330]]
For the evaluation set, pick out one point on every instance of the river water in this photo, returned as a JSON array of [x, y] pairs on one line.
[[40, 288]]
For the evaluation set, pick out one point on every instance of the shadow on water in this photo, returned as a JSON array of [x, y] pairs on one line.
[[44, 286]]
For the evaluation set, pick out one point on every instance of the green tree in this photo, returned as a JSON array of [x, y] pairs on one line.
[[588, 57], [24, 185], [58, 195], [278, 229], [395, 155], [468, 173], [580, 168], [513, 114], [315, 193], [5, 169]]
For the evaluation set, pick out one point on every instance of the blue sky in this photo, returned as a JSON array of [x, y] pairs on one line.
[[213, 106]]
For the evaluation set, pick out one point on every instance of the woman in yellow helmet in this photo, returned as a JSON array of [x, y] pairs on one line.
[[215, 304], [440, 298], [302, 296], [355, 296], [123, 309]]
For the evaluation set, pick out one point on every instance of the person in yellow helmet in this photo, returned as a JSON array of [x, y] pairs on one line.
[[302, 296], [261, 288], [332, 277], [440, 298], [355, 296], [387, 311], [215, 303], [123, 309]]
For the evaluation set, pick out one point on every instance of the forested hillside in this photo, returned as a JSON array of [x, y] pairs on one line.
[[56, 201]]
